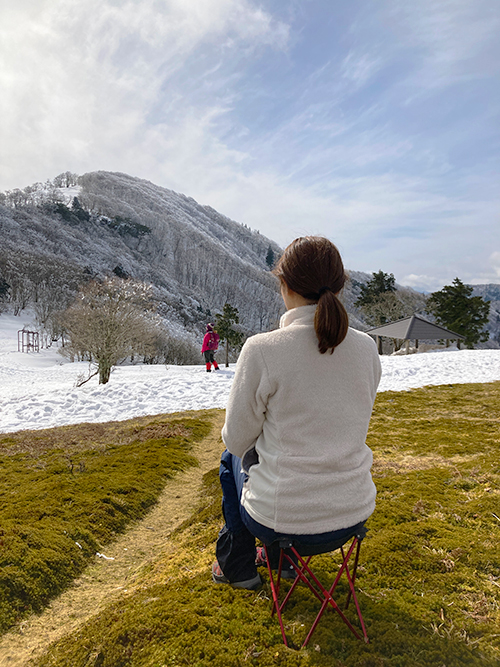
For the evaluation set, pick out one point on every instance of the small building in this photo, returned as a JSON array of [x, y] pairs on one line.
[[28, 341], [414, 328]]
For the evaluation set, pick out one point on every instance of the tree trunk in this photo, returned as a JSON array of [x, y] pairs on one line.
[[227, 354], [104, 372]]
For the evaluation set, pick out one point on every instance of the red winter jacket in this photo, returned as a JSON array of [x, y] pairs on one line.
[[210, 341]]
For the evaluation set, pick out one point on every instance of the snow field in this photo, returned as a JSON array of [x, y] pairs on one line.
[[38, 390]]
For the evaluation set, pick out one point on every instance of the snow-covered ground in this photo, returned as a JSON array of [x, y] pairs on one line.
[[38, 390]]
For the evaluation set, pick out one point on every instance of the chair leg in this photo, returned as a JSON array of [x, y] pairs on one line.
[[354, 570], [324, 595], [328, 599], [275, 587], [352, 591]]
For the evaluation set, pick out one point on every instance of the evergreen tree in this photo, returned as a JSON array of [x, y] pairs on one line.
[[270, 257], [224, 326], [378, 300], [120, 272], [4, 288], [455, 308], [379, 283], [79, 211]]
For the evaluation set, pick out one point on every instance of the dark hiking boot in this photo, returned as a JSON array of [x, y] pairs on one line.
[[219, 578]]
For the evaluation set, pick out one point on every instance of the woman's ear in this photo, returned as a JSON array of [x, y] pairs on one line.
[[291, 298], [286, 293]]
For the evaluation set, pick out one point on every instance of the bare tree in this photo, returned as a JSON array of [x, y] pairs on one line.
[[390, 306], [109, 322], [65, 180]]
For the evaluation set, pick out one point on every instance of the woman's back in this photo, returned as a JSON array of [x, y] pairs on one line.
[[297, 419], [308, 423]]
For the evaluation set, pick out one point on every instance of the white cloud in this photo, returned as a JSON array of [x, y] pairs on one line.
[[452, 40], [360, 67], [420, 283], [81, 81], [495, 263], [159, 89]]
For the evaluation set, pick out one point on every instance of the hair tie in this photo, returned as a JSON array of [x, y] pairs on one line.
[[322, 290]]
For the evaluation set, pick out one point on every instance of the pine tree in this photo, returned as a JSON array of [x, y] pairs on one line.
[[455, 308], [270, 257], [377, 298], [379, 283], [224, 326], [4, 288], [79, 211]]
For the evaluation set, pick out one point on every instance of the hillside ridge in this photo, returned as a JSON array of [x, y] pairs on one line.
[[104, 223]]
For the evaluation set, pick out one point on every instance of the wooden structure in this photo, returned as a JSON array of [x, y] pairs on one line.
[[28, 341], [414, 328]]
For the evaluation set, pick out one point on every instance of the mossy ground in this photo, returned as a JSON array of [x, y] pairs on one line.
[[428, 582], [67, 492]]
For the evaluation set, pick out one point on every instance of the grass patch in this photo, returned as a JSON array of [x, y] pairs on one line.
[[66, 492], [429, 577]]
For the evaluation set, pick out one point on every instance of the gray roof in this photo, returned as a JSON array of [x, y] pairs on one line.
[[414, 327]]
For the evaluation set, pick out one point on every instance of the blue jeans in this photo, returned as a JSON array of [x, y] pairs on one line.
[[235, 548]]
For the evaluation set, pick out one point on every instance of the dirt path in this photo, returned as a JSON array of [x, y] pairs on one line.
[[106, 580]]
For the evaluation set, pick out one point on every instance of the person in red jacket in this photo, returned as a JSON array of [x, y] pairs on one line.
[[209, 347]]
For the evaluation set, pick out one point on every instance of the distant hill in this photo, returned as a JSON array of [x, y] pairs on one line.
[[491, 293], [57, 234], [103, 223], [197, 258]]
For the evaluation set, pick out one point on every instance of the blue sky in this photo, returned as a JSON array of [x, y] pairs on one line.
[[373, 123]]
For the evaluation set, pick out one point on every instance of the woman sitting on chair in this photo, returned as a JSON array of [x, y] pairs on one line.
[[296, 462]]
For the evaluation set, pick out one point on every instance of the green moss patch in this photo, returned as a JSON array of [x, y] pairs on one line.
[[429, 579], [66, 492]]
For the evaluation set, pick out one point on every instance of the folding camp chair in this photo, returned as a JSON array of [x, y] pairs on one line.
[[303, 554]]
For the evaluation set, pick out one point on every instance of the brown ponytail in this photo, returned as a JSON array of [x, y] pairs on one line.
[[312, 267]]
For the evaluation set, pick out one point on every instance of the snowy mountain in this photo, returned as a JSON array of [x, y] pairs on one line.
[[75, 227], [197, 258], [491, 293], [58, 234]]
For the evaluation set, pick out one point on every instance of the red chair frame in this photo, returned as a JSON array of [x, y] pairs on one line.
[[304, 573]]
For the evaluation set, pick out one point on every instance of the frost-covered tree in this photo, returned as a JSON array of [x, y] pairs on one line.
[[109, 322], [41, 281], [457, 310], [65, 180], [392, 306]]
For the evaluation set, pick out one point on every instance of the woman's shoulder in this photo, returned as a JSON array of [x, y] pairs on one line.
[[263, 343], [261, 339], [272, 341], [357, 337], [269, 337]]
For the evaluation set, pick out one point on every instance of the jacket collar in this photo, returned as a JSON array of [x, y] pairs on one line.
[[303, 315]]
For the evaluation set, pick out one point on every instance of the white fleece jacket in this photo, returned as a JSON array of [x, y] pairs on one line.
[[307, 416]]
